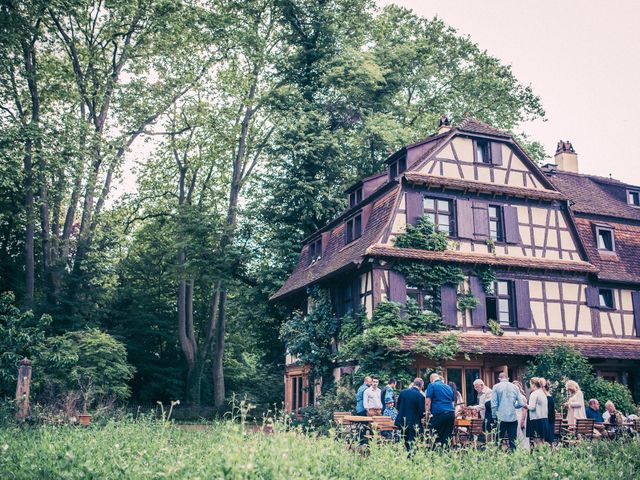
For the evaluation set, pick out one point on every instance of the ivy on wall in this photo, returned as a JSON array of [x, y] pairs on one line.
[[310, 337], [378, 348]]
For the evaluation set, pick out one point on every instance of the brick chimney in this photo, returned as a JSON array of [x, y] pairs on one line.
[[566, 157]]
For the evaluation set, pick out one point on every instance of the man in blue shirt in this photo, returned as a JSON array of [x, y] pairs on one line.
[[439, 402], [593, 411], [360, 397], [504, 402]]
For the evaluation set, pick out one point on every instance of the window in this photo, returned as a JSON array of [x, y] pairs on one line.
[[483, 152], [297, 400], [315, 250], [496, 224], [500, 303], [355, 197], [422, 298], [633, 198], [604, 238], [605, 297], [397, 167], [463, 378], [353, 228], [440, 212]]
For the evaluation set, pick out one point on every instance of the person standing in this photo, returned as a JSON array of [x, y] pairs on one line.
[[411, 408], [504, 404], [388, 393], [575, 403], [371, 399], [458, 402], [538, 413], [551, 412], [439, 401], [360, 396], [523, 441], [484, 396]]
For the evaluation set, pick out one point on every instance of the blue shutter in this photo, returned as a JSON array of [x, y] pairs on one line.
[[449, 304], [478, 314], [511, 228], [414, 203], [397, 287], [523, 304]]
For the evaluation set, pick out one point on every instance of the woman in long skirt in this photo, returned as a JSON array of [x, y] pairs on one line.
[[521, 415]]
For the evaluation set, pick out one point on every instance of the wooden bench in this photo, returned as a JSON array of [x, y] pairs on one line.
[[583, 430]]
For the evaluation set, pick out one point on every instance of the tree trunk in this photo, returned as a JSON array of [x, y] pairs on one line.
[[29, 263], [218, 353]]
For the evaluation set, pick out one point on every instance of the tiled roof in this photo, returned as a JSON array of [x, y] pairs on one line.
[[624, 265], [480, 259], [481, 187], [595, 195], [337, 255], [473, 125], [534, 345]]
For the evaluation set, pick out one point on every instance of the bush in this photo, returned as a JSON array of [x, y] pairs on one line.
[[84, 358], [20, 335], [564, 362]]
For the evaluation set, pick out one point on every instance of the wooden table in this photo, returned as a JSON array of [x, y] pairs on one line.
[[357, 419], [462, 422]]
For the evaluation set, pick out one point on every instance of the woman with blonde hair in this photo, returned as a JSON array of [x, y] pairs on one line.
[[575, 403], [521, 415], [538, 412]]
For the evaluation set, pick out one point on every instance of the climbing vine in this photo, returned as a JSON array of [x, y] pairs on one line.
[[427, 277], [487, 277], [310, 337]]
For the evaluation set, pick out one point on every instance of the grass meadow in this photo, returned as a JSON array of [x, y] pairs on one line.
[[137, 449]]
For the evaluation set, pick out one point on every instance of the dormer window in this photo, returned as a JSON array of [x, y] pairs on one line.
[[483, 152], [604, 239], [633, 198], [353, 228], [397, 167], [315, 250], [355, 197]]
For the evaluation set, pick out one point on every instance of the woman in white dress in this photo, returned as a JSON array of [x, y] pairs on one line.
[[521, 413]]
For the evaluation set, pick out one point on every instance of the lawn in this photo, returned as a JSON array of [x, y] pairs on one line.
[[150, 449]]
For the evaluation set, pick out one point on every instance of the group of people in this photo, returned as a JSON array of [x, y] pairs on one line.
[[524, 421]]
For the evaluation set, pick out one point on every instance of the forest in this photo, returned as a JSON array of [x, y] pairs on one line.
[[242, 123]]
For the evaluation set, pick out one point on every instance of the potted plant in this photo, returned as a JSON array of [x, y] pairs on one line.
[[86, 391]]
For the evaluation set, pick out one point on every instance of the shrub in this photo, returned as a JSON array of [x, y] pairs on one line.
[[20, 335], [82, 358]]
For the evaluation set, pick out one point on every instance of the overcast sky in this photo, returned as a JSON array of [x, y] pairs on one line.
[[582, 57]]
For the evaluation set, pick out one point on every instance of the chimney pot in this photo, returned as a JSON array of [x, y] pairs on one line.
[[444, 124], [566, 157]]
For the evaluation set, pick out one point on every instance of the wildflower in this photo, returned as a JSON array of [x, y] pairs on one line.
[[69, 456], [117, 445], [555, 474], [5, 447]]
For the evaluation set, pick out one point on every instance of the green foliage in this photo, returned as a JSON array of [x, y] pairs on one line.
[[309, 337], [153, 449], [467, 301], [337, 398], [85, 359], [495, 327], [20, 336], [378, 349], [564, 362], [487, 277], [423, 236], [441, 350]]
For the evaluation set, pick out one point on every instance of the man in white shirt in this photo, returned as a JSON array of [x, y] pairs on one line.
[[484, 395], [372, 399]]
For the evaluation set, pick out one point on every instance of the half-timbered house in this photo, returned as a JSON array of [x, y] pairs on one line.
[[565, 248]]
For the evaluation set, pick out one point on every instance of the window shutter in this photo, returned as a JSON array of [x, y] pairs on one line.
[[397, 287], [480, 219], [478, 314], [523, 304], [593, 299], [475, 151], [511, 228], [355, 294], [449, 304], [496, 153], [415, 207], [635, 296], [464, 214]]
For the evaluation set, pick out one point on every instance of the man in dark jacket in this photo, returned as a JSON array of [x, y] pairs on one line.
[[411, 412]]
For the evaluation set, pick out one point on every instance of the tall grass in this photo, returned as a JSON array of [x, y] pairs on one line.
[[137, 449]]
